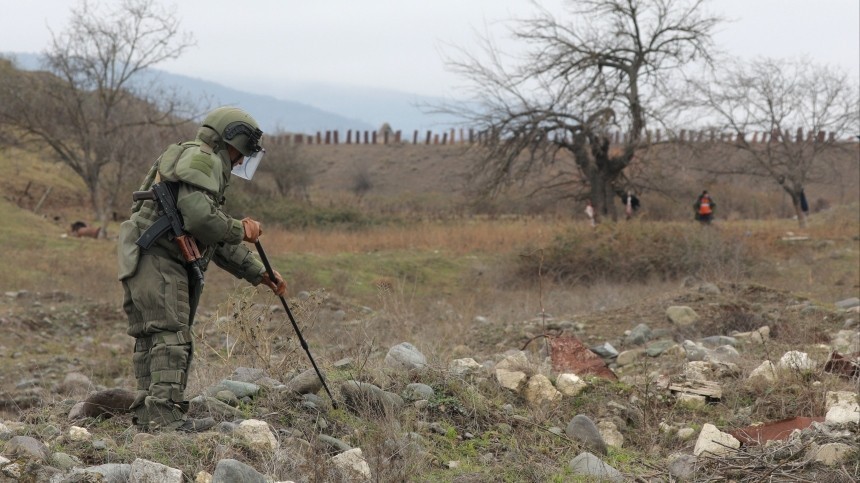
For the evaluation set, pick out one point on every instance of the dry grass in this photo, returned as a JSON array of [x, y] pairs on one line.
[[457, 238]]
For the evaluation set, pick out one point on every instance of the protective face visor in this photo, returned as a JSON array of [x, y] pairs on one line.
[[249, 164], [246, 139]]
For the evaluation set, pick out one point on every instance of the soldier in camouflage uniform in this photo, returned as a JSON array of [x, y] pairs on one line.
[[160, 297]]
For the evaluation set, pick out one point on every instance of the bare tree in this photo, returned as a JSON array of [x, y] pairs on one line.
[[88, 106], [604, 69], [804, 112], [291, 171]]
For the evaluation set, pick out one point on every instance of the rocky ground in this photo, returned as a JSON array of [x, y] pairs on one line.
[[670, 389]]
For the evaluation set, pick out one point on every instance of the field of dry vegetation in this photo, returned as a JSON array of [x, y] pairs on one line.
[[408, 260]]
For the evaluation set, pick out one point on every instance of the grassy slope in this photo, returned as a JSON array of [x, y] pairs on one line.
[[450, 263]]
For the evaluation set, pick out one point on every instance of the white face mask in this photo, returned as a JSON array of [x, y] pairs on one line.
[[249, 165]]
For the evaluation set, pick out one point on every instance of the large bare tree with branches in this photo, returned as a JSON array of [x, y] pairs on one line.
[[804, 112], [88, 108], [606, 67]]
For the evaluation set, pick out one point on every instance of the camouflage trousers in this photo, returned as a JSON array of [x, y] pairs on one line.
[[160, 302]]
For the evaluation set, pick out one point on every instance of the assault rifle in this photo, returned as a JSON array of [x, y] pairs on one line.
[[170, 221]]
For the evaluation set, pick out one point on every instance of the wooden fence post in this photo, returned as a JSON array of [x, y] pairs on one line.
[[397, 137], [415, 137], [429, 134], [328, 137], [436, 138], [319, 137], [385, 137], [374, 137], [444, 138], [349, 136], [336, 137], [366, 138]]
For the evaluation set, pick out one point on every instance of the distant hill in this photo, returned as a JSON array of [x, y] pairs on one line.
[[321, 106]]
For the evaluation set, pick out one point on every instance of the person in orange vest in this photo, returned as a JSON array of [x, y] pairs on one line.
[[704, 207]]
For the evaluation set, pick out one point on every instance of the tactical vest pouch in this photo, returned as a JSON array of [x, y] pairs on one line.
[[128, 252]]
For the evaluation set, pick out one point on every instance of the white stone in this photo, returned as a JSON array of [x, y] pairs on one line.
[[539, 390], [763, 333], [353, 465], [836, 398], [610, 434], [462, 367], [513, 380], [570, 384], [682, 315], [515, 362], [713, 441], [697, 370], [765, 370], [832, 453], [842, 407], [842, 413], [795, 360], [685, 434], [145, 471], [257, 434], [203, 477], [77, 433]]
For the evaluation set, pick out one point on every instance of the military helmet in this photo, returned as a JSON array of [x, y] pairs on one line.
[[236, 128]]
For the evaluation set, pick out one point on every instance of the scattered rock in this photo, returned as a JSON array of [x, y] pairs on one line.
[[848, 303], [581, 428], [144, 471], [681, 315], [307, 382], [832, 454], [683, 466], [352, 465], [796, 361], [539, 391], [405, 356], [715, 442], [610, 434], [590, 465], [464, 367], [570, 384], [258, 435], [230, 471], [28, 448]]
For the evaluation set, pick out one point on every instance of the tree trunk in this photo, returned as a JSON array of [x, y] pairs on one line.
[[801, 215], [602, 197], [99, 207]]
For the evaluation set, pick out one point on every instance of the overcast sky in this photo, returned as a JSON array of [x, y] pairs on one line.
[[400, 44]]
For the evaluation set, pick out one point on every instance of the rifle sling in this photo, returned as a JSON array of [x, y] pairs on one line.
[[154, 232]]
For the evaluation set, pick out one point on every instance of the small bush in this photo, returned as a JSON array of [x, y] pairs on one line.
[[638, 253]]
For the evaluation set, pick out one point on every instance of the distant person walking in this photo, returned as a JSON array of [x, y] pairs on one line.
[[631, 203], [589, 212], [704, 207]]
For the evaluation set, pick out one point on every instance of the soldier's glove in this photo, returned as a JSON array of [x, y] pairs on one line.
[[253, 230], [279, 286]]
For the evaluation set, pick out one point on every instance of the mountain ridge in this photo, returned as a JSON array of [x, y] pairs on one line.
[[324, 106]]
